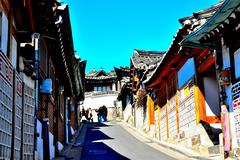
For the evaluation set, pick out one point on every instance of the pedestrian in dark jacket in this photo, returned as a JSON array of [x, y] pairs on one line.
[[100, 114], [105, 113]]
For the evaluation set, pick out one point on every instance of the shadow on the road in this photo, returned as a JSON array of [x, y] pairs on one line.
[[99, 150], [101, 125]]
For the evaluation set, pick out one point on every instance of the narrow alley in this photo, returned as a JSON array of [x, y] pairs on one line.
[[119, 80], [111, 141]]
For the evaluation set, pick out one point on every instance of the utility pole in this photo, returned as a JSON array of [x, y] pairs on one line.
[[35, 42]]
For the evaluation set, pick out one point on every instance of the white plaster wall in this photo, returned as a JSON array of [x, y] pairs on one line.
[[28, 81], [163, 123], [51, 145], [211, 96], [139, 117], [94, 102], [187, 113], [39, 141], [127, 112], [13, 55], [113, 87], [172, 117]]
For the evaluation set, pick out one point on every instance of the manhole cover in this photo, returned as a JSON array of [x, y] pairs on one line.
[[97, 152]]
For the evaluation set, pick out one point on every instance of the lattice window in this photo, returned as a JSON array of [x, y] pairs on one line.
[[18, 118], [28, 123], [5, 118]]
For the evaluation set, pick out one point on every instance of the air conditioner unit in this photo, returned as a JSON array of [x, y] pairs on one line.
[[46, 86]]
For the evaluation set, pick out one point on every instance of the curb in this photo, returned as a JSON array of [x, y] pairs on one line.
[[78, 140], [165, 145]]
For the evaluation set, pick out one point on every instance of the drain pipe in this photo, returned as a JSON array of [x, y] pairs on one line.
[[35, 41]]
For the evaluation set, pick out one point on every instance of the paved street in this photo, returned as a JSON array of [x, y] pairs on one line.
[[112, 142]]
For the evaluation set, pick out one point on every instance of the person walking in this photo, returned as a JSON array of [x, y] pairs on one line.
[[105, 113], [100, 114], [83, 111], [90, 116], [86, 114]]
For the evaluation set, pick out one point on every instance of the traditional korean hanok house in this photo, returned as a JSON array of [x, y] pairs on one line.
[[142, 64], [101, 88], [124, 96], [18, 75], [221, 34], [17, 94], [60, 80], [11, 93], [76, 67], [186, 90]]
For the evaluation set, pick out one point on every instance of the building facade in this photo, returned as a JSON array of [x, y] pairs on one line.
[[186, 91], [40, 79], [215, 35], [102, 88]]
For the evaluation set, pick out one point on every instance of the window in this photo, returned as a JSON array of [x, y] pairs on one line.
[[95, 88], [3, 32], [237, 63], [186, 72], [104, 88]]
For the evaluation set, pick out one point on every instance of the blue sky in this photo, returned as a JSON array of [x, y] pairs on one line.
[[105, 32]]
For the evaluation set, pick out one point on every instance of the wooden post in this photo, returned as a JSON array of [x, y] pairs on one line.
[[199, 105], [159, 111], [150, 110], [177, 116], [167, 110]]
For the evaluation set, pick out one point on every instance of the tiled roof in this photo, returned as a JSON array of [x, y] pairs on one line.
[[101, 74], [229, 11], [190, 24], [122, 72], [202, 14], [148, 58]]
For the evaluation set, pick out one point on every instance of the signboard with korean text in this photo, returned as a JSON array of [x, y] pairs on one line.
[[236, 109]]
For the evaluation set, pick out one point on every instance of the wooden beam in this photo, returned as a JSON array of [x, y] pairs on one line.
[[206, 65], [29, 7]]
